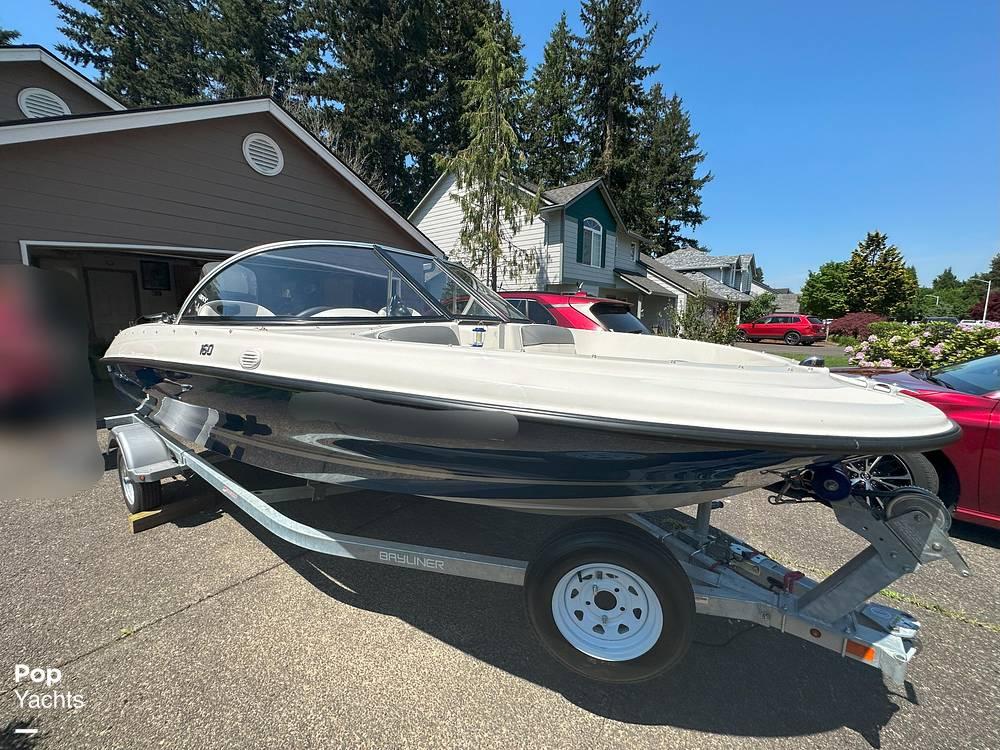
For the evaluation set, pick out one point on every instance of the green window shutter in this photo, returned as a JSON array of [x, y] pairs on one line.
[[579, 242], [604, 245]]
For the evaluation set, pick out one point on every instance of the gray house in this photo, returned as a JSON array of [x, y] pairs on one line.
[[579, 241], [132, 203]]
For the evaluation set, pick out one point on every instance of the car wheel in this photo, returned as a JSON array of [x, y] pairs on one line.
[[742, 336], [892, 471], [792, 338]]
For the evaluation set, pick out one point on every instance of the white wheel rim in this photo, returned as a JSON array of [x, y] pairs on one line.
[[607, 612], [127, 487]]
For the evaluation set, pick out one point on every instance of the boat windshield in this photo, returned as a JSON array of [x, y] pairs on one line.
[[455, 288], [334, 283]]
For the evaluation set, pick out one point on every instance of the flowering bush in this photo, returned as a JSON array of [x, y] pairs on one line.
[[922, 345], [854, 324]]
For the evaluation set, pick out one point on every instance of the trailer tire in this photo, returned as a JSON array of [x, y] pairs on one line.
[[139, 496], [634, 623]]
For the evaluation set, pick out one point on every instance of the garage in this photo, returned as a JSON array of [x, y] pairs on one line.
[[132, 203]]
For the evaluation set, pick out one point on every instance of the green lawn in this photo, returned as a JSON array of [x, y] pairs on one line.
[[832, 360]]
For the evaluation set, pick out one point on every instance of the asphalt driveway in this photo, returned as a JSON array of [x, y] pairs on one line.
[[209, 632]]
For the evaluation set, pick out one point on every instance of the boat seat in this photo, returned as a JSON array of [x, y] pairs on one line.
[[421, 335], [547, 339]]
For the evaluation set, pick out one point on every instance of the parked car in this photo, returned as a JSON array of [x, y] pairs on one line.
[[964, 474], [791, 328], [578, 310]]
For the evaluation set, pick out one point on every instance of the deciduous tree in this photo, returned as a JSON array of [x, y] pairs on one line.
[[824, 293]]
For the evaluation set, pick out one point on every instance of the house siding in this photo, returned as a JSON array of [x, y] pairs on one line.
[[440, 218], [589, 205], [185, 184], [15, 76]]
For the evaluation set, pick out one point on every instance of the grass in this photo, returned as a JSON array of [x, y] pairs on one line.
[[832, 360]]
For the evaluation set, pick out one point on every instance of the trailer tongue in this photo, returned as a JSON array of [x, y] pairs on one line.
[[614, 599]]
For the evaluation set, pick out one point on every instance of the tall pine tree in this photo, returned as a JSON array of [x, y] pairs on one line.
[[671, 184], [8, 36], [490, 169], [612, 74], [877, 279], [368, 44], [147, 51], [551, 121], [258, 47]]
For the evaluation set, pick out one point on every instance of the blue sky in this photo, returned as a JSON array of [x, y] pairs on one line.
[[821, 121]]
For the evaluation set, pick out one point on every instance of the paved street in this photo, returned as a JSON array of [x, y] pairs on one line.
[[208, 632]]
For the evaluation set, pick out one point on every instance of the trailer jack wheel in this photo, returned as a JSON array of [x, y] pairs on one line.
[[609, 603], [139, 496]]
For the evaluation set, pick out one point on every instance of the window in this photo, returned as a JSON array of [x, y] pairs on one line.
[[617, 318], [592, 236], [538, 313], [635, 253]]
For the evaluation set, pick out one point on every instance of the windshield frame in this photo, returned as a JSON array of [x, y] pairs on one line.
[[384, 253]]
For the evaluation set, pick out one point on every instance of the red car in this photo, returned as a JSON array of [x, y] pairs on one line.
[[964, 474], [791, 328], [578, 310]]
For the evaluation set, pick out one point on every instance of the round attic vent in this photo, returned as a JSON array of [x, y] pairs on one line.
[[263, 154], [35, 102]]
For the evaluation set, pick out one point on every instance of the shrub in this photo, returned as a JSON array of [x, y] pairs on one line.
[[926, 345], [854, 324], [886, 329]]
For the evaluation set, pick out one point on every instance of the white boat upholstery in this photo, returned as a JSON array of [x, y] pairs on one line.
[[546, 339]]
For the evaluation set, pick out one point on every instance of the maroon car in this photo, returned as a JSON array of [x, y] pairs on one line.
[[965, 474], [791, 328]]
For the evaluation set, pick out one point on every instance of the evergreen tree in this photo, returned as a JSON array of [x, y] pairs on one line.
[[490, 169], [758, 274], [147, 51], [366, 41], [551, 123], [824, 293], [946, 280], [671, 187], [8, 36], [443, 34], [611, 73], [258, 47], [877, 278]]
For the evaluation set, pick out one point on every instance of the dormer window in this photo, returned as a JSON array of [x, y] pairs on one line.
[[593, 235]]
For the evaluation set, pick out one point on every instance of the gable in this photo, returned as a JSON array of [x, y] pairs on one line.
[[185, 184], [592, 204], [19, 75]]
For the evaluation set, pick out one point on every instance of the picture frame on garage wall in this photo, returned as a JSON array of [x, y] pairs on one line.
[[155, 275]]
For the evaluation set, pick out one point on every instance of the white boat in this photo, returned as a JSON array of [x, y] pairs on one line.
[[376, 368]]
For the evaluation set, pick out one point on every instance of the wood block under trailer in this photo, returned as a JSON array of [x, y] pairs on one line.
[[614, 599]]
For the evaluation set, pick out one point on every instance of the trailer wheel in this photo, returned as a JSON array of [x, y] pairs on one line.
[[609, 603], [139, 496]]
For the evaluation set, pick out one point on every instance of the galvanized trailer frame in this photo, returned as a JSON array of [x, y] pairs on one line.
[[729, 578]]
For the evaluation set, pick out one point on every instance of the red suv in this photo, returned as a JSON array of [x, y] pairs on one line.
[[791, 328], [578, 310]]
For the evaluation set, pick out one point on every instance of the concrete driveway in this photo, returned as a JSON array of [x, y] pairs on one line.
[[210, 633]]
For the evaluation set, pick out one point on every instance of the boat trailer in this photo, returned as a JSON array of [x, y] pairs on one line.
[[600, 590]]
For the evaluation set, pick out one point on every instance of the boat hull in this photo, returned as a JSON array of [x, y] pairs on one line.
[[457, 452]]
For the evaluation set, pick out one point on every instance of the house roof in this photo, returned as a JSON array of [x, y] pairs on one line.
[[689, 259], [644, 284], [674, 277], [717, 288], [560, 196], [37, 53], [69, 126]]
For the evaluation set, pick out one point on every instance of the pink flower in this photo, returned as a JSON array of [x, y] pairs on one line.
[[873, 338], [885, 363], [914, 344], [850, 349]]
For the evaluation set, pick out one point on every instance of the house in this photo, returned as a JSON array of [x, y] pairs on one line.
[[133, 202], [578, 241], [785, 299]]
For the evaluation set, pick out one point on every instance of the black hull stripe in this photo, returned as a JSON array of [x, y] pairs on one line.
[[793, 443]]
